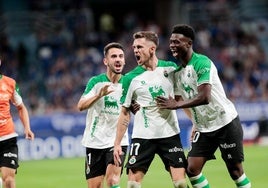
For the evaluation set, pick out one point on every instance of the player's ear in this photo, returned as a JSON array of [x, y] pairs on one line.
[[152, 49], [190, 42], [104, 61]]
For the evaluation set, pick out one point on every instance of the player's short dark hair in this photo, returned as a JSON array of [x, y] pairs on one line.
[[148, 35], [185, 30], [112, 45]]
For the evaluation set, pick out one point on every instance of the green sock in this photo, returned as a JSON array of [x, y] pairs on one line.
[[243, 181], [115, 186], [199, 181]]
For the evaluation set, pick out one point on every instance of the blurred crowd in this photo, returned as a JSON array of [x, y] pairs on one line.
[[54, 62]]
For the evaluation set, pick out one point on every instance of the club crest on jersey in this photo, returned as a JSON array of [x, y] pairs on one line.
[[143, 82], [165, 73]]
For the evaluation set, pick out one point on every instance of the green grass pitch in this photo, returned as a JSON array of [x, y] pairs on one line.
[[69, 173]]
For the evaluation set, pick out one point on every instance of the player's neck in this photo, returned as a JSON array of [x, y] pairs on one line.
[[187, 58], [152, 64], [114, 78]]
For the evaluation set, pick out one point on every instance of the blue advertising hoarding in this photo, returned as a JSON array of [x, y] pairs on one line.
[[60, 134]]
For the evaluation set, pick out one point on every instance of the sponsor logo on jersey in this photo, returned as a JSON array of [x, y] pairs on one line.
[[110, 102]]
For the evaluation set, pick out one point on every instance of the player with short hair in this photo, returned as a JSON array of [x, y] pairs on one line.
[[10, 93], [215, 119], [101, 98], [155, 131]]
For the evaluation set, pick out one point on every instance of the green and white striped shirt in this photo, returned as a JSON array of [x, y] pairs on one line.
[[143, 86], [102, 116], [220, 111]]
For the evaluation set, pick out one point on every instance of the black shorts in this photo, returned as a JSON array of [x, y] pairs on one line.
[[229, 139], [142, 153], [9, 153], [97, 161]]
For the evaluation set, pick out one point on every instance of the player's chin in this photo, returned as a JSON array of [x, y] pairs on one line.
[[118, 71], [139, 62]]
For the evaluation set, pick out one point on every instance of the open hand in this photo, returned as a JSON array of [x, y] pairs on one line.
[[166, 103], [105, 90]]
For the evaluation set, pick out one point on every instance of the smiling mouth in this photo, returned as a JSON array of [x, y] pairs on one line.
[[174, 51]]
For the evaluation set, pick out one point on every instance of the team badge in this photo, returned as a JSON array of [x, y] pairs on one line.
[[132, 160], [165, 73]]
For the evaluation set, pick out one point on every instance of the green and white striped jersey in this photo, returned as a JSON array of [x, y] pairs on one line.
[[102, 116], [220, 111], [143, 86]]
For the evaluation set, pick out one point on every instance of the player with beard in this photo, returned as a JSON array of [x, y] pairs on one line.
[[101, 99], [155, 130]]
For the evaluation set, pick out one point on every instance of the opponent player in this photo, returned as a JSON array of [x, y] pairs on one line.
[[10, 93]]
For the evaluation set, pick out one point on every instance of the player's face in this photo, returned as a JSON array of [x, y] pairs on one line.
[[115, 60], [179, 45], [143, 50]]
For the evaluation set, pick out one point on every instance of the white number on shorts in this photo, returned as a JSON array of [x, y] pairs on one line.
[[196, 136], [134, 147]]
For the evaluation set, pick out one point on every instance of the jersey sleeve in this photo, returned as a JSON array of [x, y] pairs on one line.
[[129, 86], [203, 71], [89, 87], [16, 98], [127, 93]]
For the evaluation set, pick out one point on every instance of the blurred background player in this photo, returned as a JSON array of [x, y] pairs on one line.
[[10, 93], [101, 98]]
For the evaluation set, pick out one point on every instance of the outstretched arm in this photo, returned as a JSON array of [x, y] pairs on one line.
[[122, 125]]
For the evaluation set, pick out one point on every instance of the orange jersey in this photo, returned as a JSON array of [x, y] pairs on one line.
[[8, 93]]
